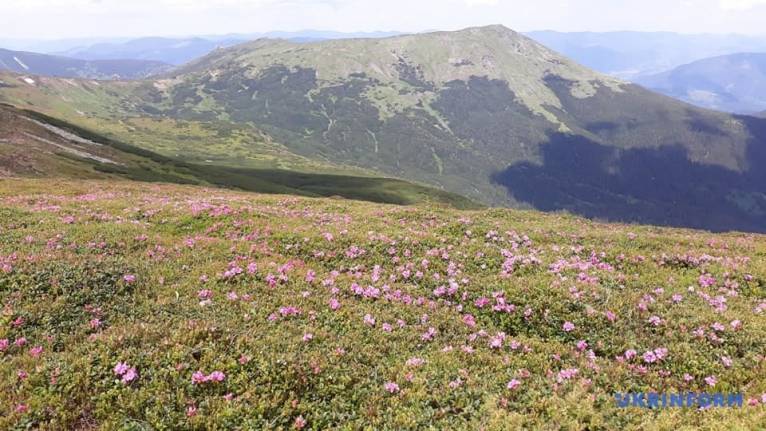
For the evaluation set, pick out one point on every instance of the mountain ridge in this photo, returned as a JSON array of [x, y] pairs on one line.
[[732, 83], [66, 67]]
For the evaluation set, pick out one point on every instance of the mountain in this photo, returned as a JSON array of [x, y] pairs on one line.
[[733, 83], [483, 112], [167, 50], [629, 54], [52, 65], [51, 46], [178, 51]]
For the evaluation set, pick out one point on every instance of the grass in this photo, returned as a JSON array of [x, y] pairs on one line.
[[144, 165], [173, 280]]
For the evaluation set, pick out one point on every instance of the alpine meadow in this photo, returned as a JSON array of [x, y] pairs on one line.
[[254, 227]]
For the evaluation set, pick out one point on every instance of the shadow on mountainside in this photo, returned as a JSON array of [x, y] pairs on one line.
[[659, 186]]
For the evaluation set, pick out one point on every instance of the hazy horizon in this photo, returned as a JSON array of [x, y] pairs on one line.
[[112, 19]]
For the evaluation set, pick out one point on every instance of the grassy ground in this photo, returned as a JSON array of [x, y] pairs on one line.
[[138, 306]]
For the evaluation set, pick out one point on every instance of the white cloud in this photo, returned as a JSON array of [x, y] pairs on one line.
[[481, 2], [740, 5], [56, 19]]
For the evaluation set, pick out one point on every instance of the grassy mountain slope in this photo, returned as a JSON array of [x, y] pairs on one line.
[[483, 112], [52, 65], [241, 311], [34, 145], [733, 83]]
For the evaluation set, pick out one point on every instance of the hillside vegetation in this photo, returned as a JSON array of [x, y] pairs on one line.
[[135, 306], [35, 145]]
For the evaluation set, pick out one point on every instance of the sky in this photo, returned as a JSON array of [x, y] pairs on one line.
[[60, 19]]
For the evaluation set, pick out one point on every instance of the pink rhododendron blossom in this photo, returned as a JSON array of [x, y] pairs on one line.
[[391, 387]]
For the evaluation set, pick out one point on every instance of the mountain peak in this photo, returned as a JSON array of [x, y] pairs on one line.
[[427, 61], [494, 28]]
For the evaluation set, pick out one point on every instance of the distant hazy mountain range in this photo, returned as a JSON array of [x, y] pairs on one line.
[[734, 83], [52, 65], [178, 51], [172, 51], [632, 54]]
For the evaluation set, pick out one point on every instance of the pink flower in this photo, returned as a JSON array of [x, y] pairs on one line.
[[95, 323], [655, 320], [299, 423], [334, 304], [513, 384], [727, 362], [22, 375], [369, 320], [21, 408], [568, 327], [36, 351], [391, 387], [660, 353], [20, 341], [216, 376], [129, 375], [711, 380], [199, 377], [289, 311], [129, 278], [204, 294], [496, 342], [582, 345], [567, 374], [252, 268], [706, 280], [415, 362], [688, 377], [469, 320], [191, 411], [308, 337], [650, 357], [3, 344], [428, 335], [121, 368]]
